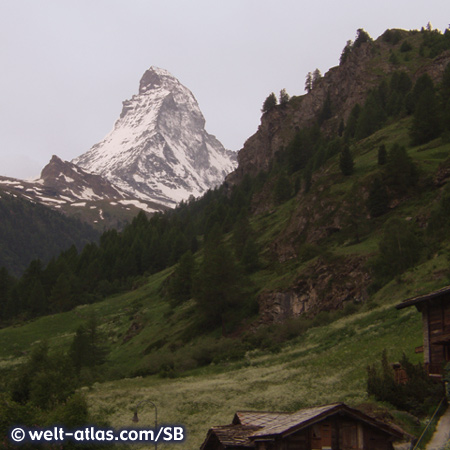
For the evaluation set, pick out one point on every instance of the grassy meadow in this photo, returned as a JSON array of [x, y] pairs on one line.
[[325, 364]]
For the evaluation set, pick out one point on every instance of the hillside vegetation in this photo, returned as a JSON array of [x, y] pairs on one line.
[[274, 291], [31, 231]]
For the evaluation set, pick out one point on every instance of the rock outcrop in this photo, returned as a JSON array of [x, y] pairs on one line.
[[345, 85]]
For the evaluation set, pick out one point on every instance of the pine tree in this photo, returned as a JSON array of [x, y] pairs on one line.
[[372, 116], [316, 77], [346, 161], [283, 189], [346, 52], [378, 201], [352, 122], [382, 155], [400, 171], [269, 103], [87, 349], [219, 284], [426, 121], [308, 82], [326, 111], [181, 282], [284, 97]]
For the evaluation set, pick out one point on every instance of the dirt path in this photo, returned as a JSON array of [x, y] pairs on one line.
[[441, 436]]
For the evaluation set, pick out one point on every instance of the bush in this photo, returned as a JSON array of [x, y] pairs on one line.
[[417, 394], [405, 47], [400, 248]]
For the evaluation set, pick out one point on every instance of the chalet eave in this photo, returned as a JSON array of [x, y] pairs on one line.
[[414, 301], [340, 409]]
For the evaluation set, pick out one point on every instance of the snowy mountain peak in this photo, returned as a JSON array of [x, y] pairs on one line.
[[159, 149], [156, 78]]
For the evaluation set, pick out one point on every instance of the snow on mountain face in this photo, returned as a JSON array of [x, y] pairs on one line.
[[159, 149], [67, 188]]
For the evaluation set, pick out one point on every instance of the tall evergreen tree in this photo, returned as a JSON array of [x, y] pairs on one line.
[[87, 348], [219, 285], [382, 155], [426, 122], [352, 122], [284, 97], [400, 171], [372, 116], [181, 283], [378, 200], [346, 163], [269, 103]]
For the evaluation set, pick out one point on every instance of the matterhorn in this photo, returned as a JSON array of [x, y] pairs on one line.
[[159, 149]]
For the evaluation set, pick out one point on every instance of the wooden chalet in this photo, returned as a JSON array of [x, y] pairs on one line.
[[329, 427], [435, 309]]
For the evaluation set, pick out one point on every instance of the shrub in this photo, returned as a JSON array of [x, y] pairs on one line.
[[405, 47], [417, 394], [399, 249]]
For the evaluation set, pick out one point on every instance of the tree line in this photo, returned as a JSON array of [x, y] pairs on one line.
[[120, 260]]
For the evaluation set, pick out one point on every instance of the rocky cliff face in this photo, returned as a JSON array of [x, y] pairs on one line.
[[346, 85], [159, 149], [324, 286]]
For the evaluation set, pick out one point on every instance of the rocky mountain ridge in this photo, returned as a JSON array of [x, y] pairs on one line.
[[67, 188], [345, 86]]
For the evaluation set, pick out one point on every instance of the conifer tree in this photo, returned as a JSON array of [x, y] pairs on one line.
[[372, 116], [326, 111], [378, 200], [316, 77], [218, 287], [346, 161], [269, 103], [87, 349], [426, 122], [308, 82], [382, 155], [181, 282], [352, 121], [400, 171], [284, 97]]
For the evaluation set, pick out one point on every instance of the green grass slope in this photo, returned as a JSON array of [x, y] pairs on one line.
[[326, 364]]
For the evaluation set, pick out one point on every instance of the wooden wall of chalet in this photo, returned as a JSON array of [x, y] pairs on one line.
[[437, 313], [336, 433]]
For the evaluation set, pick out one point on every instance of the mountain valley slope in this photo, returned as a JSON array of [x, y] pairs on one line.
[[318, 306]]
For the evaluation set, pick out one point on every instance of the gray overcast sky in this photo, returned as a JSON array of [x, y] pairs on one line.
[[67, 65]]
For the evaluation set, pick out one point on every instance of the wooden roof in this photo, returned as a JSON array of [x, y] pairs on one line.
[[249, 426], [258, 418], [424, 298], [295, 420], [308, 416], [231, 435]]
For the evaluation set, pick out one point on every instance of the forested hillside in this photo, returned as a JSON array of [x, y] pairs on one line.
[[31, 231], [339, 208], [336, 189]]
